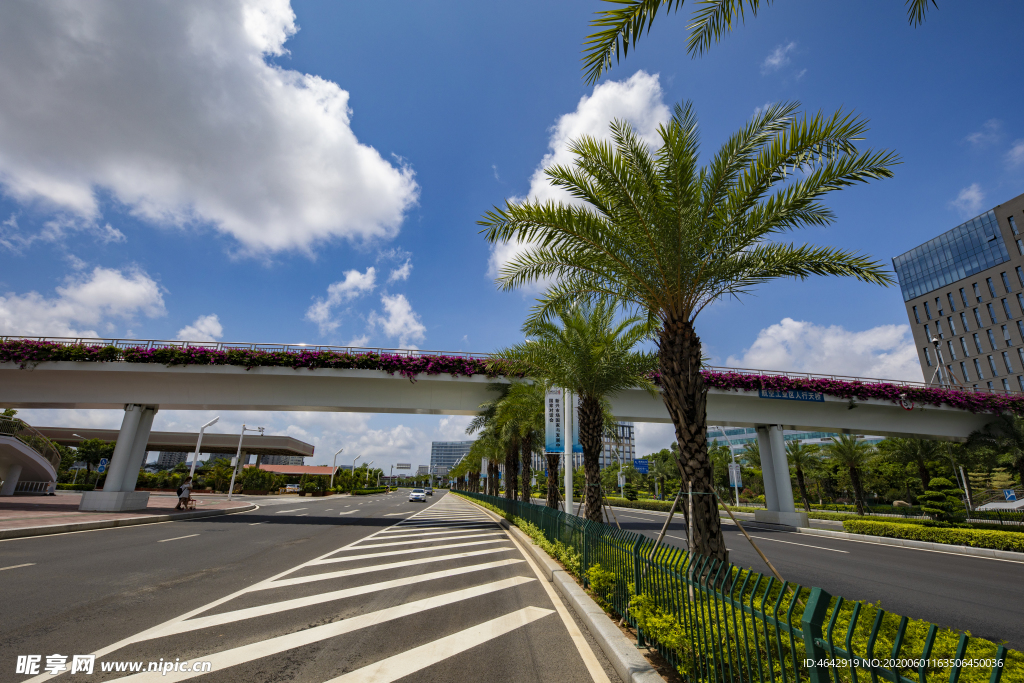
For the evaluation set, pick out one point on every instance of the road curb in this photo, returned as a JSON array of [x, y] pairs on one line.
[[623, 655], [29, 532]]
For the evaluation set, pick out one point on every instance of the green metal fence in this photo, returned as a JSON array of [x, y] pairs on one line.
[[717, 622]]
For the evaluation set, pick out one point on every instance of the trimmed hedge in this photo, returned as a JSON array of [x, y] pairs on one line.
[[75, 487], [366, 492], [975, 538]]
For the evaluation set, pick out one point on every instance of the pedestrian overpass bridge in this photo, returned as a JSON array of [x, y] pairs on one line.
[[140, 389]]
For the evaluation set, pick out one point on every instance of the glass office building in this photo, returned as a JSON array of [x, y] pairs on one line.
[[964, 294], [444, 455]]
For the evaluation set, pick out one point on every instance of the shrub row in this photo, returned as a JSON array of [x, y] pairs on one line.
[[75, 487], [366, 492], [975, 538]]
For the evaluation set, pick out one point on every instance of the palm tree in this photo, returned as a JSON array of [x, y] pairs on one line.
[[1005, 435], [520, 416], [486, 423], [591, 355], [802, 457], [619, 29], [914, 452], [853, 454], [660, 235]]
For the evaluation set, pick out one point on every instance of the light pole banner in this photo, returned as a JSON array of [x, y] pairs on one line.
[[483, 466], [577, 447], [553, 436]]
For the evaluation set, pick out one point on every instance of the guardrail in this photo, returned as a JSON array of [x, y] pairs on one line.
[[32, 487], [24, 432], [714, 621], [417, 353]]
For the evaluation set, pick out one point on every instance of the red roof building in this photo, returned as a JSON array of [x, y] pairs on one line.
[[297, 469]]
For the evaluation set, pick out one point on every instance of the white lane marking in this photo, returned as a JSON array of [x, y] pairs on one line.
[[281, 512], [302, 515], [392, 514], [378, 568], [255, 523], [177, 538], [399, 529], [367, 556], [285, 605], [409, 533], [328, 509], [582, 646], [247, 653], [642, 519], [17, 566], [777, 540], [411, 661], [425, 540], [348, 512]]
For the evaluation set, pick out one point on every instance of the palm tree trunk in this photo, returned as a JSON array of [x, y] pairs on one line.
[[858, 493], [552, 480], [685, 397], [526, 458], [803, 489], [591, 420], [922, 471], [511, 468]]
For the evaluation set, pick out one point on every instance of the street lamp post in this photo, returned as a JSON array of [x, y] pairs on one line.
[[238, 456], [367, 477], [199, 443], [334, 468], [76, 471]]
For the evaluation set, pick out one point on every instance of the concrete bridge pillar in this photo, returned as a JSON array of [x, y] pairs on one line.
[[778, 487], [129, 454], [10, 478]]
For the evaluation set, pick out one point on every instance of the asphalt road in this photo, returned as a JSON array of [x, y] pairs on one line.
[[332, 589], [983, 596]]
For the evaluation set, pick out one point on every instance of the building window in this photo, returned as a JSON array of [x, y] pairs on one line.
[[1020, 275], [1020, 381], [938, 355], [963, 319], [1006, 282], [1020, 247], [1006, 310], [938, 306], [963, 345], [977, 292], [917, 318], [977, 343], [1020, 352], [977, 318], [938, 328], [991, 339], [927, 333], [1020, 301], [927, 310], [991, 313], [952, 354], [952, 308], [1006, 359], [963, 369], [952, 327], [990, 387], [977, 369], [992, 366], [927, 357], [963, 297], [1006, 385], [1006, 336], [1013, 225]]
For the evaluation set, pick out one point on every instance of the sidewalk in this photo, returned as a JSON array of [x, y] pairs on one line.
[[39, 515]]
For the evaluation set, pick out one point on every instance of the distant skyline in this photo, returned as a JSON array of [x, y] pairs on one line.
[[313, 172]]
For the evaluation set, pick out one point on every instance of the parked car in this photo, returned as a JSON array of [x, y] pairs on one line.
[[292, 488], [429, 491], [418, 495]]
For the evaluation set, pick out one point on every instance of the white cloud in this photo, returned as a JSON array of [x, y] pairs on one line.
[[205, 328], [778, 58], [400, 321], [401, 273], [968, 202], [1015, 157], [453, 428], [353, 286], [651, 437], [359, 341], [885, 352], [638, 100], [85, 302], [991, 131], [173, 109]]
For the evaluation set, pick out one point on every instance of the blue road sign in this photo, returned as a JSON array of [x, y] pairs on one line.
[[1010, 495], [101, 469], [104, 462], [640, 465]]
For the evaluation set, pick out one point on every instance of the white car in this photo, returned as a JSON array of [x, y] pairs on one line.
[[429, 491], [418, 495]]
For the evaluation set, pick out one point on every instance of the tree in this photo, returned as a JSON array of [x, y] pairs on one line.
[[802, 457], [619, 29], [852, 454], [1005, 435], [940, 499], [91, 451], [592, 355], [912, 452], [520, 416], [662, 236]]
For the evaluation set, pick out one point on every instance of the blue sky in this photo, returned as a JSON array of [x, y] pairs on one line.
[[233, 171]]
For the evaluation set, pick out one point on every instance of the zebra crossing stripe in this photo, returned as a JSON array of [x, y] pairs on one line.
[[367, 556], [425, 540], [247, 653], [411, 533], [411, 661], [297, 603], [280, 583]]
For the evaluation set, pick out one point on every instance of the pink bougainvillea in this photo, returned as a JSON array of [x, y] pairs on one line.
[[28, 352]]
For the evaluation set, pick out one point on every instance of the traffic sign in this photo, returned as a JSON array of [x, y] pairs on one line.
[[101, 469], [104, 462], [640, 465], [403, 466]]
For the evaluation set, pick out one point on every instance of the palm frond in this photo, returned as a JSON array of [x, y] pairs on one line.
[[617, 30], [714, 18]]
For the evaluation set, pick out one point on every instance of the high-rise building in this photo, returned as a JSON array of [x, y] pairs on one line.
[[964, 293], [622, 448], [444, 455], [168, 459], [281, 460]]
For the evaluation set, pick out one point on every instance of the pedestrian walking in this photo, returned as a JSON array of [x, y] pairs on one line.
[[184, 494]]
